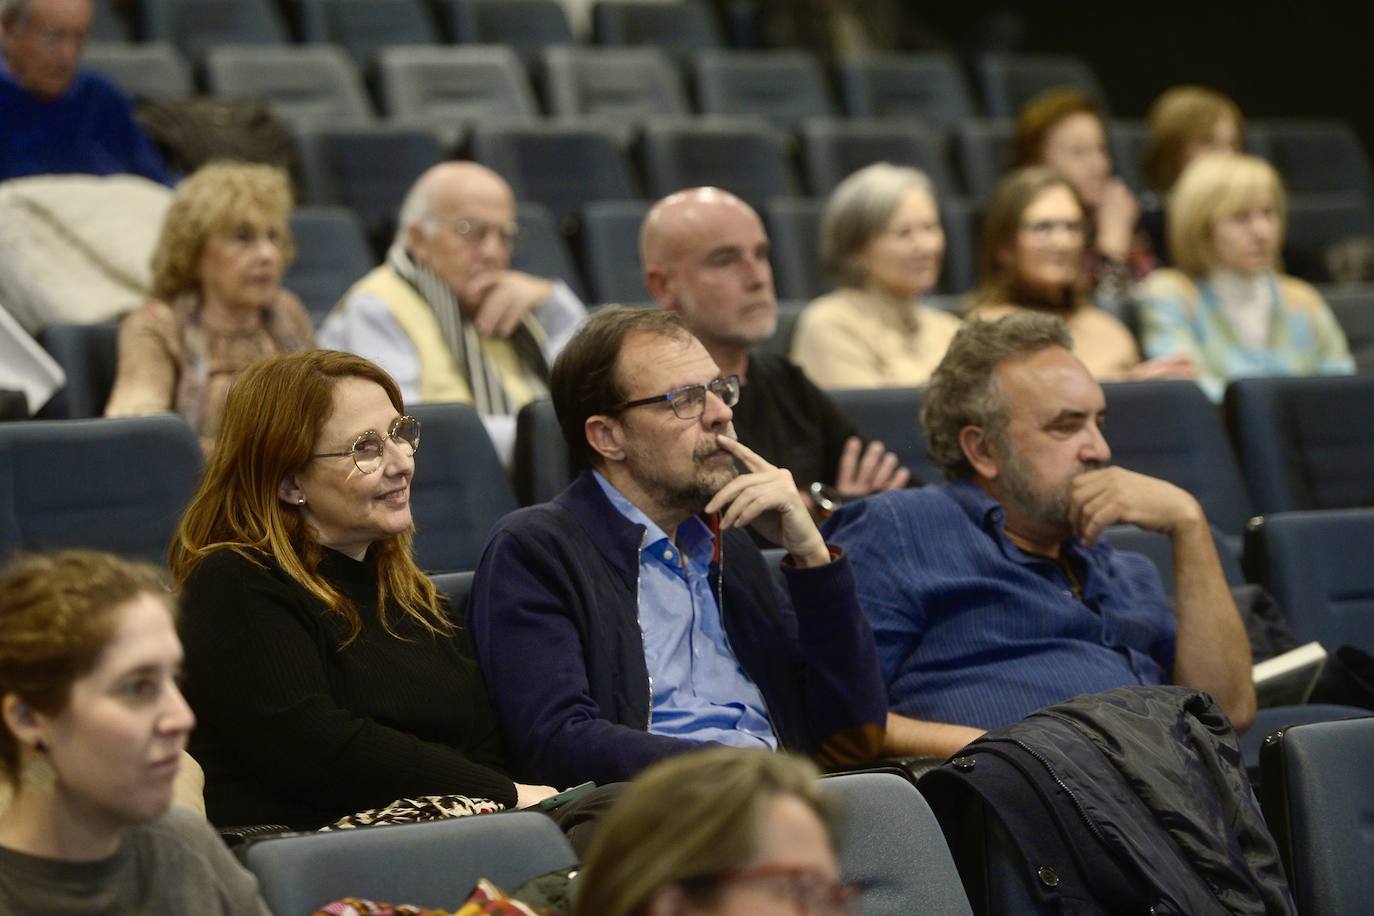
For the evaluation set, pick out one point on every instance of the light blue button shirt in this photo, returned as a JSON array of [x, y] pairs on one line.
[[700, 693]]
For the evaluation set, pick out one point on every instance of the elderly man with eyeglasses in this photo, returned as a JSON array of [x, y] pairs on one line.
[[56, 118], [633, 618], [445, 315]]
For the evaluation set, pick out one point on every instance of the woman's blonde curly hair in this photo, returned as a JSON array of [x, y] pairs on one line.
[[212, 199]]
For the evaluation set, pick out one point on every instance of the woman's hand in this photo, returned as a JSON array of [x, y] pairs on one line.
[[529, 796]]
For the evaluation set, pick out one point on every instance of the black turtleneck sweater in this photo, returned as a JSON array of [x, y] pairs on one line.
[[293, 730]]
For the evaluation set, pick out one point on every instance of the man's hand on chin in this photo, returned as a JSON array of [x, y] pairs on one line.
[[766, 498], [503, 298]]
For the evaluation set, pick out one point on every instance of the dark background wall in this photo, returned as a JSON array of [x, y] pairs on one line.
[[1274, 58]]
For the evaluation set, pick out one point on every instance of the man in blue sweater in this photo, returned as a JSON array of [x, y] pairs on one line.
[[993, 596], [632, 617], [54, 117]]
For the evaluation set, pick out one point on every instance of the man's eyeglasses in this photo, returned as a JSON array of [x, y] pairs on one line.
[[476, 231], [802, 888], [369, 448], [689, 401]]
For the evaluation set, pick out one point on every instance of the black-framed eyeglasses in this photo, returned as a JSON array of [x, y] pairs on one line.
[[805, 890], [369, 448], [475, 231], [689, 401]]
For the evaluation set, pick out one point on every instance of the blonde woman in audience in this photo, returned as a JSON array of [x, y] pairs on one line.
[[92, 742], [217, 302], [1064, 129], [1031, 256], [1226, 307], [722, 831], [882, 244], [328, 676]]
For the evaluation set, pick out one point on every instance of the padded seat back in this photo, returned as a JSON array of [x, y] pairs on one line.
[[542, 467], [1318, 569], [1319, 803], [892, 415], [1011, 80], [305, 86], [196, 26], [454, 84], [460, 490], [927, 85], [118, 485], [1305, 443], [89, 355], [1171, 431], [364, 27], [433, 864], [613, 82], [742, 156], [889, 841], [151, 70], [781, 86]]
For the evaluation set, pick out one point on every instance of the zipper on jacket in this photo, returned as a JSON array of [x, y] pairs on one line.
[[643, 645]]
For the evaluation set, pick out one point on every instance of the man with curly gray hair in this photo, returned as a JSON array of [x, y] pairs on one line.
[[993, 595]]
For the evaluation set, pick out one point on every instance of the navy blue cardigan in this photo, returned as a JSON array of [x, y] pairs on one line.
[[554, 617]]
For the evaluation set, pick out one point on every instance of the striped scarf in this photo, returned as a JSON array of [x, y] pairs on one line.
[[484, 378]]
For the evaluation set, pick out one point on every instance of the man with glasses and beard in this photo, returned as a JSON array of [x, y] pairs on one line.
[[445, 315], [632, 617], [993, 595]]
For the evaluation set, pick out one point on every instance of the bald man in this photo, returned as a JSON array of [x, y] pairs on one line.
[[56, 118], [446, 316], [705, 256]]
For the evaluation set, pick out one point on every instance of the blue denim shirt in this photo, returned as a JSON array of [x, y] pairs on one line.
[[700, 693], [973, 631]]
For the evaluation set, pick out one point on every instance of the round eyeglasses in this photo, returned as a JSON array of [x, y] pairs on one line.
[[369, 449], [689, 401]]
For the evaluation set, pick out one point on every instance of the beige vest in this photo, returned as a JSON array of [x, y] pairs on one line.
[[441, 379]]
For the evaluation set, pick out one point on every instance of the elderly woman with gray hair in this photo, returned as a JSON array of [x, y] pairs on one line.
[[882, 243]]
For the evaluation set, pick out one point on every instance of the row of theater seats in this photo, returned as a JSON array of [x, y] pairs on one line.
[[122, 484], [454, 86], [1316, 802]]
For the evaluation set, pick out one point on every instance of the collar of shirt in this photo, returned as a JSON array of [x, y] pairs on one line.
[[987, 513], [694, 536]]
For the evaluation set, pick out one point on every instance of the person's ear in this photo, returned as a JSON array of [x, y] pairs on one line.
[[289, 491], [417, 240], [660, 286], [978, 451], [23, 722], [606, 436]]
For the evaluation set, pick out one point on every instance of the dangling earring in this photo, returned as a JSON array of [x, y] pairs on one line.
[[38, 774]]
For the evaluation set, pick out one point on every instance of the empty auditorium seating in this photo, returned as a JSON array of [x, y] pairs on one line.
[[1318, 155], [677, 28], [927, 86], [610, 247], [369, 169], [890, 843], [612, 82], [893, 417], [89, 356], [448, 88], [152, 70], [984, 150], [364, 27], [1318, 221], [541, 249], [1317, 566], [742, 156], [431, 864], [1304, 443], [117, 485], [794, 229], [1011, 80], [1171, 431], [1354, 309], [541, 466], [460, 489], [315, 85], [1318, 804], [1127, 139], [527, 26], [331, 255], [781, 86], [834, 148], [196, 26], [563, 167]]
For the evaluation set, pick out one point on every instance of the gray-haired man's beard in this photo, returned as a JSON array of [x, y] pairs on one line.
[[1047, 509]]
